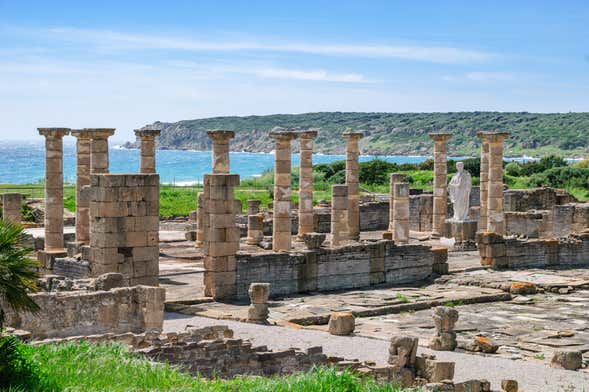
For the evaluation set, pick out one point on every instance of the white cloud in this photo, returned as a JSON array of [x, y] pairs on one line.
[[112, 40], [478, 76]]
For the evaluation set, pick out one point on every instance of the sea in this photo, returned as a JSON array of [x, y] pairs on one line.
[[24, 162]]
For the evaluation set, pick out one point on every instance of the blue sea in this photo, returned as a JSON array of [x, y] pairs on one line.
[[24, 162]]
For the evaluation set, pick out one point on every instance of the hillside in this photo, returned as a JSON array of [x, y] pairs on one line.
[[533, 134]]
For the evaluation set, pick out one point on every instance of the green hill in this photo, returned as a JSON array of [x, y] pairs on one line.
[[534, 134]]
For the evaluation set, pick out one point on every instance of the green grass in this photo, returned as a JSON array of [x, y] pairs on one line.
[[82, 367]]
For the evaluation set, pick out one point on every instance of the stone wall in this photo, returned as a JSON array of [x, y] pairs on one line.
[[125, 309], [570, 218], [531, 224], [124, 224], [346, 267], [534, 199]]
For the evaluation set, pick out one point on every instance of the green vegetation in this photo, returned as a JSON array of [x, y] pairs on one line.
[[453, 304], [401, 297], [535, 134], [82, 367]]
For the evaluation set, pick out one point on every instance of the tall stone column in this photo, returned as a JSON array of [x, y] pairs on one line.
[[496, 218], [147, 145], [306, 182], [11, 207], [339, 214], [440, 210], [395, 178], [484, 181], [401, 212], [83, 147], [220, 140], [54, 187], [99, 149], [281, 223], [352, 181]]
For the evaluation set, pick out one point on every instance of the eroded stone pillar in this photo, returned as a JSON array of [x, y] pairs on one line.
[[200, 214], [440, 208], [401, 212], [255, 223], [54, 187], [221, 235], [339, 214], [220, 140], [496, 218], [306, 182], [282, 226], [352, 181], [83, 148], [484, 181], [99, 149], [11, 207], [395, 178], [147, 146]]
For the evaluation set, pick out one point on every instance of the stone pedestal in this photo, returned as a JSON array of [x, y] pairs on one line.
[[401, 212], [282, 226], [339, 214], [258, 309], [306, 182], [54, 187], [352, 181], [99, 149], [440, 208], [395, 178], [11, 207], [496, 218], [83, 152], [200, 214], [221, 236], [463, 232], [484, 181], [220, 140], [147, 146]]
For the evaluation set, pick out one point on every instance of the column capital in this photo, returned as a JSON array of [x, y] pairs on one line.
[[350, 135], [81, 134], [54, 132], [284, 134], [496, 137], [99, 133], [220, 135], [308, 134], [147, 132], [440, 136]]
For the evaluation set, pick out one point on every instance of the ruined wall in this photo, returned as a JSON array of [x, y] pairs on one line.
[[534, 199], [124, 309], [346, 267], [124, 224], [570, 218], [531, 224]]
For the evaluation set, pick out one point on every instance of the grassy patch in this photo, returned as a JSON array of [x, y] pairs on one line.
[[82, 367], [453, 304]]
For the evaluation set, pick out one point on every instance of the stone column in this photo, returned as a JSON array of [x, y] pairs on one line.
[[496, 218], [147, 144], [352, 181], [339, 214], [83, 147], [281, 224], [440, 210], [220, 140], [484, 181], [99, 149], [255, 223], [200, 214], [306, 182], [395, 178], [54, 187], [221, 236], [11, 207], [401, 212]]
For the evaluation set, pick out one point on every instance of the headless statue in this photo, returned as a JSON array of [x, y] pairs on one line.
[[459, 188]]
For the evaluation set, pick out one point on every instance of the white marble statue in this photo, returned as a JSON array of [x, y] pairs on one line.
[[459, 188]]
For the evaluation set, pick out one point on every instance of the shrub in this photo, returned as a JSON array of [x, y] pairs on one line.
[[17, 367], [545, 163], [562, 177], [513, 169]]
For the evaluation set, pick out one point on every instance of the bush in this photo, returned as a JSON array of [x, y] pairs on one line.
[[562, 177], [17, 367], [376, 172], [545, 163], [513, 169]]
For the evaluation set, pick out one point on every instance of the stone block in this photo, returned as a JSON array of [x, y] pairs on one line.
[[341, 323]]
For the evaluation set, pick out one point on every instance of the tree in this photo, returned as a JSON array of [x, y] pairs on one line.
[[17, 272]]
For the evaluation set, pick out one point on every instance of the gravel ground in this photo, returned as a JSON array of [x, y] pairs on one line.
[[532, 376]]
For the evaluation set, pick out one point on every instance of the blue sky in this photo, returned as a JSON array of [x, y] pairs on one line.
[[127, 63]]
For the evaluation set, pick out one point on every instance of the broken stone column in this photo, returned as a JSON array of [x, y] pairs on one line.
[[400, 212], [54, 187], [83, 147], [445, 319], [258, 310], [352, 181], [395, 178], [200, 212], [220, 140], [484, 181], [440, 209], [306, 182], [11, 207], [255, 223], [496, 218], [282, 226], [147, 145], [99, 149], [339, 214], [221, 236], [124, 226], [341, 323]]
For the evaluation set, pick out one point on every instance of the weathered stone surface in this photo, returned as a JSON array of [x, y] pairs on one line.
[[445, 319], [110, 281], [341, 323], [523, 288], [313, 240], [403, 351], [509, 386], [569, 360], [485, 345]]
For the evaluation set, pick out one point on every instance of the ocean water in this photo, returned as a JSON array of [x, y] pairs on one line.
[[24, 162]]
